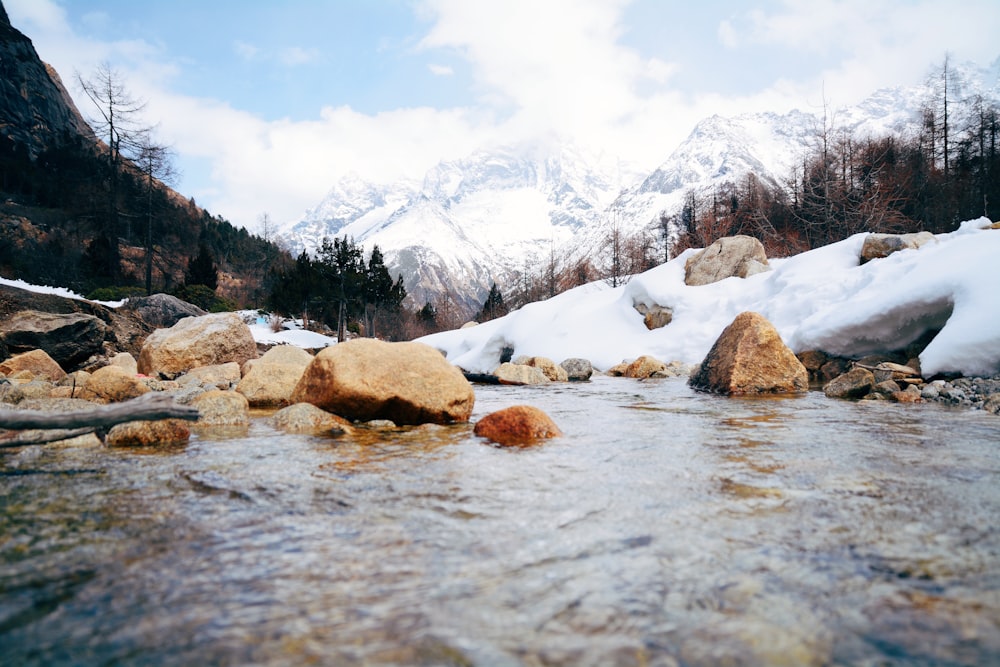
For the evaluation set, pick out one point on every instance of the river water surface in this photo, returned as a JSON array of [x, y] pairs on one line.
[[666, 528]]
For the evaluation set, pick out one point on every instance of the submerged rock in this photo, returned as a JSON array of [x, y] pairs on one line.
[[750, 358], [408, 383], [519, 425], [307, 418]]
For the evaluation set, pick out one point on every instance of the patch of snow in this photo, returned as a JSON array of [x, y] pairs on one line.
[[822, 299], [57, 291]]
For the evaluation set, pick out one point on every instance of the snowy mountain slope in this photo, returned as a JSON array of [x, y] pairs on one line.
[[472, 222], [497, 213]]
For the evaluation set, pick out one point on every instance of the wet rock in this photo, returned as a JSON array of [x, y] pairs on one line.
[[111, 384], [749, 357], [813, 360], [519, 425], [739, 256], [577, 370], [855, 383], [834, 368], [886, 387], [217, 376], [68, 338], [910, 395], [408, 383], [270, 380], [877, 246], [992, 404], [149, 433], [519, 374], [162, 310], [197, 341], [618, 370], [645, 367], [307, 418], [222, 408], [37, 361], [552, 371]]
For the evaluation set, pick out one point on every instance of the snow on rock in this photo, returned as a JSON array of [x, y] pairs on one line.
[[822, 299]]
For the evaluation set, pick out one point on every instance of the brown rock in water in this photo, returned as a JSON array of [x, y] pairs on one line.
[[520, 374], [36, 361], [149, 433], [197, 341], [644, 367], [407, 383], [518, 425], [739, 256], [111, 384], [855, 383], [307, 418], [750, 358], [548, 367], [222, 408]]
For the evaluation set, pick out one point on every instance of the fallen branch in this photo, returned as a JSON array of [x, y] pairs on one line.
[[148, 407], [35, 437]]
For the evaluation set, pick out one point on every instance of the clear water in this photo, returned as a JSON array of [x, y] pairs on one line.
[[666, 528]]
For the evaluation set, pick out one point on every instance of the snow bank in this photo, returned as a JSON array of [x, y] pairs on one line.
[[822, 299], [57, 291], [292, 333]]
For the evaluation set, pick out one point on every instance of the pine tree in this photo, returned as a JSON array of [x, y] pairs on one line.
[[202, 269]]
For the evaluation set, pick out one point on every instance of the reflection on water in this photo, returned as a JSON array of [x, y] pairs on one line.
[[665, 528]]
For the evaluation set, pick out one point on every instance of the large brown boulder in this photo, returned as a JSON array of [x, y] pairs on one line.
[[365, 379], [750, 358], [739, 256], [518, 425], [270, 380], [197, 341], [69, 338], [36, 361]]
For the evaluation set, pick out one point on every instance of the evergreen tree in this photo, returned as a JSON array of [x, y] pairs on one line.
[[493, 307], [202, 269]]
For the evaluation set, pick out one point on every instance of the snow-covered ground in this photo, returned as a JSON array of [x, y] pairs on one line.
[[822, 299], [291, 333]]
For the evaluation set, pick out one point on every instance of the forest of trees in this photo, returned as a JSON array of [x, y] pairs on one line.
[[341, 290]]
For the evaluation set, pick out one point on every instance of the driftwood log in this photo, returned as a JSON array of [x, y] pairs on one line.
[[101, 418]]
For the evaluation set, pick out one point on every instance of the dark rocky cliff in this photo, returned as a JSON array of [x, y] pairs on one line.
[[36, 112]]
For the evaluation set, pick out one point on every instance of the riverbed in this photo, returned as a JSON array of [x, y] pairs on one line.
[[667, 527]]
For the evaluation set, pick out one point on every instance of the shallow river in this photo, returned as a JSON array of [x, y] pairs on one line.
[[666, 528]]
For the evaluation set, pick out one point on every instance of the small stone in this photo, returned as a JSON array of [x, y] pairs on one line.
[[307, 418], [553, 372], [886, 388], [519, 425], [855, 383], [577, 370], [645, 367]]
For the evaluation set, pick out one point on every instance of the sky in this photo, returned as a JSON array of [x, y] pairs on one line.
[[267, 104]]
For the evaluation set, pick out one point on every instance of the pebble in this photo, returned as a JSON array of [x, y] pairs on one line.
[[963, 392]]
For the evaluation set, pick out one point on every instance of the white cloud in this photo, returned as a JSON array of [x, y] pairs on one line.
[[296, 55], [440, 70], [245, 50]]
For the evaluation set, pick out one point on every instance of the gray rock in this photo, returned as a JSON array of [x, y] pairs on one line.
[[578, 370], [162, 310], [68, 338], [877, 246]]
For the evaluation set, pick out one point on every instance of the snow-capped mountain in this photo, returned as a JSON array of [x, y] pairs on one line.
[[471, 222], [501, 212]]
